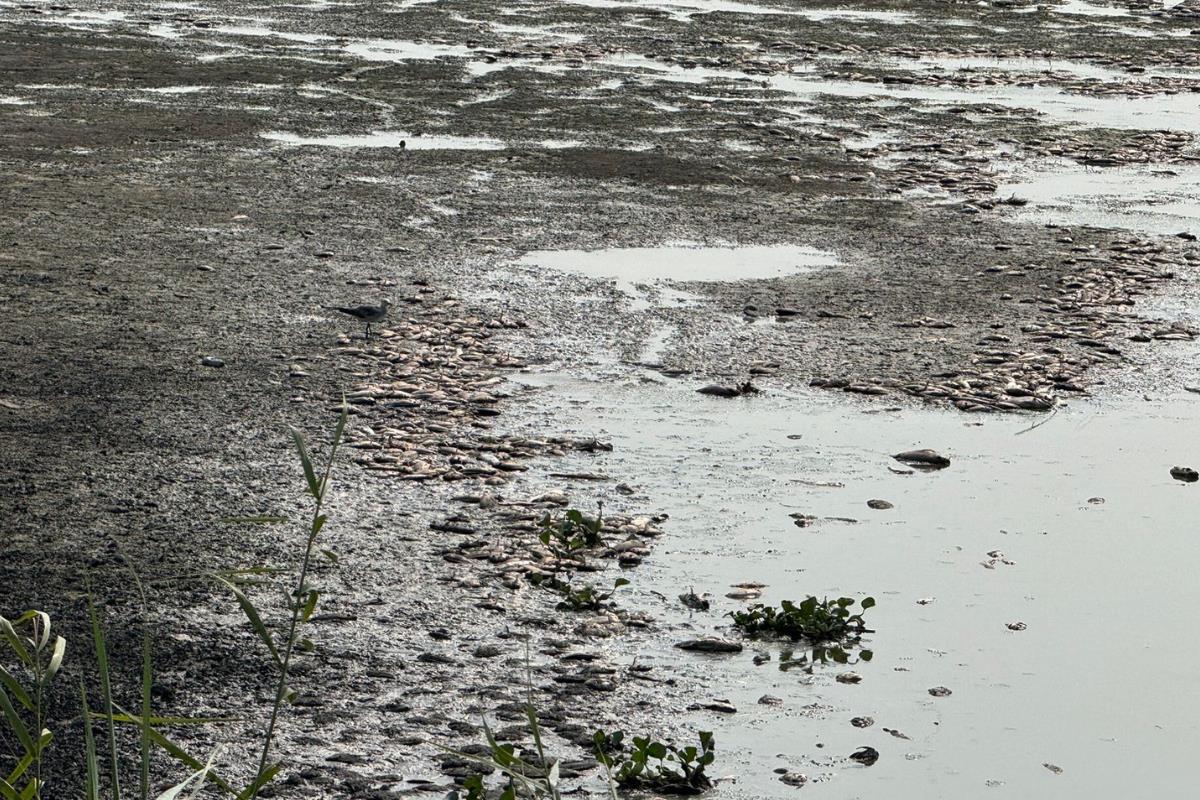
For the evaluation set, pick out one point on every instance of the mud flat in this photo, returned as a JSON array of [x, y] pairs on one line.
[[980, 215]]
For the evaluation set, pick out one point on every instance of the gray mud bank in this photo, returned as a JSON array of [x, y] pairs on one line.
[[891, 205]]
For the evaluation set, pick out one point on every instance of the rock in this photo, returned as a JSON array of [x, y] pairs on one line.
[[1016, 626], [879, 505], [940, 691], [1057, 770], [694, 601], [862, 722], [709, 645], [865, 756], [744, 594], [1185, 474], [923, 459], [770, 700], [212, 361], [849, 677]]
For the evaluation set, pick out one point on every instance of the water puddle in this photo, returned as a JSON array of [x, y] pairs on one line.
[[1162, 200], [1017, 578], [387, 139], [632, 268], [1079, 7]]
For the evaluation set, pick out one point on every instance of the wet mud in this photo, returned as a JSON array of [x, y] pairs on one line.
[[199, 180]]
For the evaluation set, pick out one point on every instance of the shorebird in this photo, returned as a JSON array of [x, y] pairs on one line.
[[365, 314]]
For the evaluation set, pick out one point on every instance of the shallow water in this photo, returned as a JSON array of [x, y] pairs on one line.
[[634, 267], [387, 139], [1101, 682], [1164, 199]]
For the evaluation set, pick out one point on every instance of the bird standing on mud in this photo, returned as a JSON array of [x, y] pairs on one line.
[[366, 314]]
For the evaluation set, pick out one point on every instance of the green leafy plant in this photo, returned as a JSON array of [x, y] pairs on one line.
[[302, 599], [38, 657], [815, 620], [654, 766], [535, 776], [572, 531], [585, 598]]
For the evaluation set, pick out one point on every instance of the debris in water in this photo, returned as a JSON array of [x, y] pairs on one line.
[[940, 691], [862, 722], [879, 505], [1016, 626], [1055, 768]]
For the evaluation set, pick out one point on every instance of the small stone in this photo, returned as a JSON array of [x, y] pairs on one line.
[[940, 691], [862, 722], [1096, 501], [1055, 768], [1185, 474], [879, 505], [794, 778], [849, 677], [770, 700], [1016, 626], [212, 361]]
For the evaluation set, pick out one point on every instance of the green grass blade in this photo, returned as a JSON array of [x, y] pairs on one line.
[[253, 616], [92, 781], [106, 694], [314, 487], [14, 640], [7, 681], [15, 723], [7, 791], [56, 659], [144, 744], [262, 780], [179, 754]]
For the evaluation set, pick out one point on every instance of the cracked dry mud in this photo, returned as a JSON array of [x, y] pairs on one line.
[[158, 211]]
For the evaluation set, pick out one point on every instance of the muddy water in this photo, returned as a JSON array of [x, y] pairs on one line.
[[1103, 556]]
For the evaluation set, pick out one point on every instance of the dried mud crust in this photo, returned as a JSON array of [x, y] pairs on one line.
[[145, 230]]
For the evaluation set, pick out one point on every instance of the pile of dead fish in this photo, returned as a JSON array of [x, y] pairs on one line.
[[1085, 319]]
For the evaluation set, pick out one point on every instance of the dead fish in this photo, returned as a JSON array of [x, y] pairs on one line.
[[865, 756], [1185, 474], [923, 459]]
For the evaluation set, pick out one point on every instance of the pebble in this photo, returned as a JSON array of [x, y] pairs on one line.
[[770, 700], [879, 505], [862, 722], [794, 778], [212, 361], [940, 691]]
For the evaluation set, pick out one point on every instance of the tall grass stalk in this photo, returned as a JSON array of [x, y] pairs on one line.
[[303, 600]]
